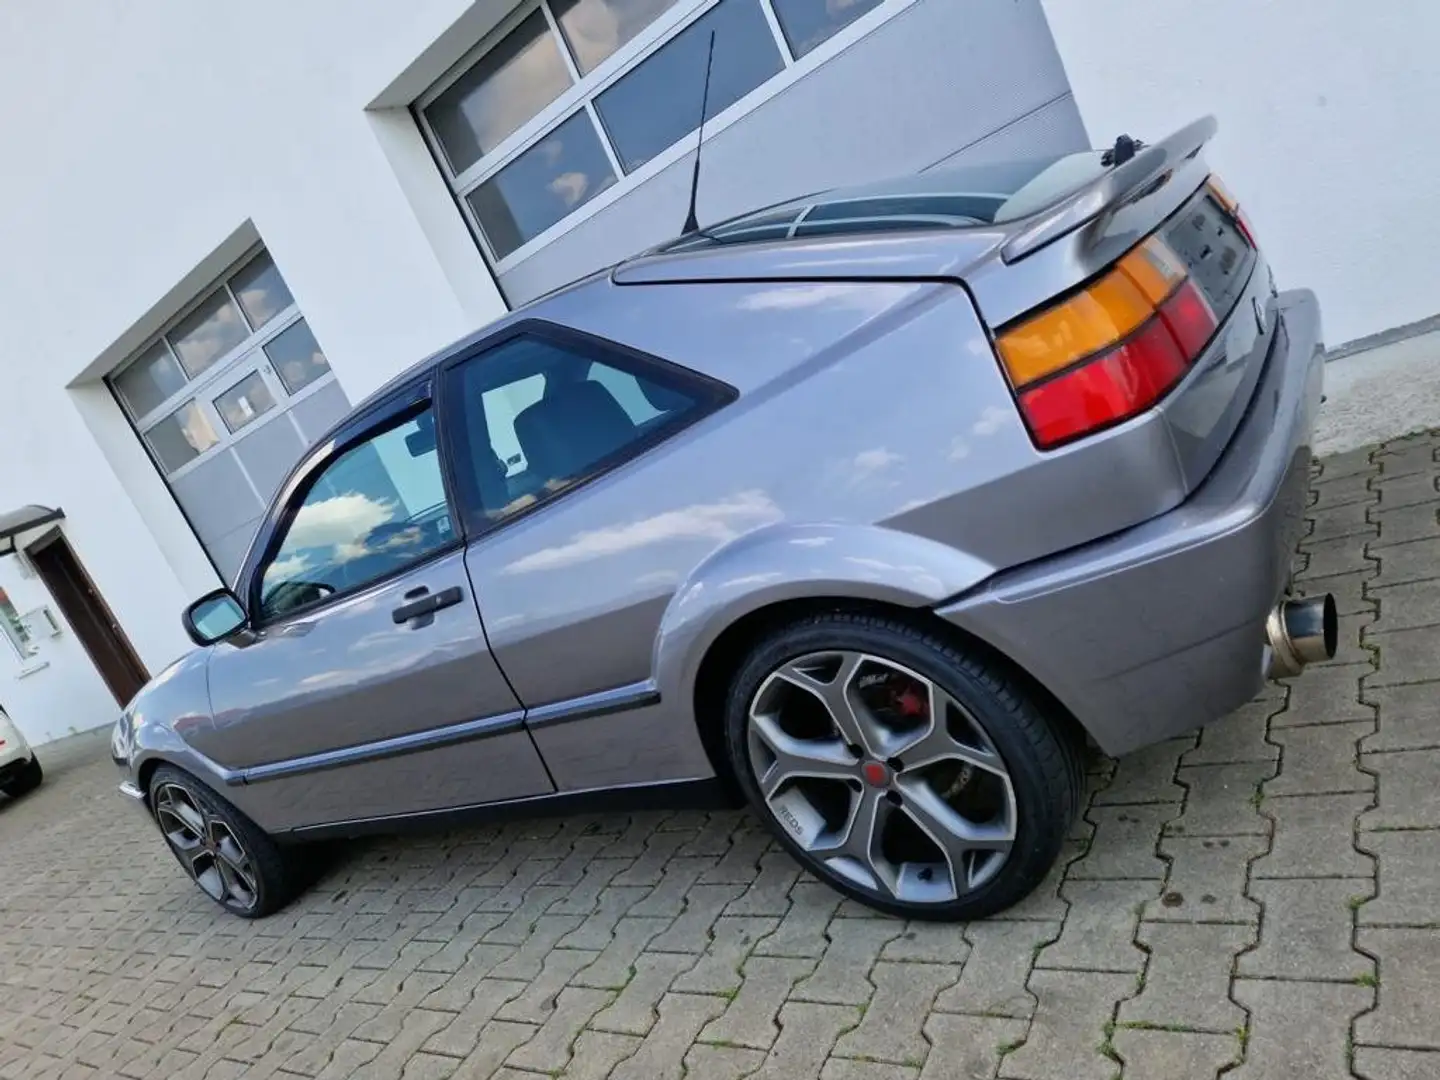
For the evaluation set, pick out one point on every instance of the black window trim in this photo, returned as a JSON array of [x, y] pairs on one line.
[[397, 408], [711, 395]]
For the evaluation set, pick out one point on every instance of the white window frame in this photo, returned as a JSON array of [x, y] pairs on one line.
[[585, 89], [229, 369]]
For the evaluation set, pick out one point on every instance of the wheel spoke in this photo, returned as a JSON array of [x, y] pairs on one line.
[[821, 759], [850, 719], [857, 845], [952, 833]]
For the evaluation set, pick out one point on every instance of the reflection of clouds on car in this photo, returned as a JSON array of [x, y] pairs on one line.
[[337, 520]]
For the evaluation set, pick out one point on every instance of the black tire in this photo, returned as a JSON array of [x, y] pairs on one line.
[[26, 780], [1043, 756], [272, 881]]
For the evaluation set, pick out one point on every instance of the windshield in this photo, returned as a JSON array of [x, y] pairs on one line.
[[959, 197]]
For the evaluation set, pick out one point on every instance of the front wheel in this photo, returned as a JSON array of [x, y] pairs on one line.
[[229, 857], [918, 778], [26, 780]]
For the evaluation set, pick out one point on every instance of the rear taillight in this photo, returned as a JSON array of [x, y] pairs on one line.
[[1109, 351]]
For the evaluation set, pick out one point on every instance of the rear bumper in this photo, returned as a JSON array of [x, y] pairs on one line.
[[1159, 629]]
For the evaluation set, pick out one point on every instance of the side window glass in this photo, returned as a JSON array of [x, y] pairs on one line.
[[374, 510], [540, 416]]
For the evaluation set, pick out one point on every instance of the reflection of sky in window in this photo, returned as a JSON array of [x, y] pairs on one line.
[[296, 357], [658, 103], [207, 333], [559, 173], [808, 24], [261, 290], [505, 88], [596, 28]]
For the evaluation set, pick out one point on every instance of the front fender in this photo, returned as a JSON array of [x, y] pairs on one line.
[[786, 562], [151, 730]]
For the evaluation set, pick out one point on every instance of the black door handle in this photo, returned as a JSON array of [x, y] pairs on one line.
[[428, 605]]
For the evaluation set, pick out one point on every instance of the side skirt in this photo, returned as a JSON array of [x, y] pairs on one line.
[[706, 794]]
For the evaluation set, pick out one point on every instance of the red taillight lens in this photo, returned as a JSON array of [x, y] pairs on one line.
[[1109, 351], [1126, 380]]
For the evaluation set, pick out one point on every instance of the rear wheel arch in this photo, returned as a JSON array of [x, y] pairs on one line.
[[727, 654]]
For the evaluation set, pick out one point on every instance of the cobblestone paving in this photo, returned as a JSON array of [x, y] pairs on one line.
[[1260, 900]]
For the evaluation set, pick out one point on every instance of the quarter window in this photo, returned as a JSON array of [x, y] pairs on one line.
[[539, 416], [373, 511], [574, 98]]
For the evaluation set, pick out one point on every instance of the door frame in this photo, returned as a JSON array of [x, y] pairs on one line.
[[88, 614]]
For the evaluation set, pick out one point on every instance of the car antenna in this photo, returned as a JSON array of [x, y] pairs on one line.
[[691, 224]]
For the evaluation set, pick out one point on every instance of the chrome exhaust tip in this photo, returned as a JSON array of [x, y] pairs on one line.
[[1301, 632]]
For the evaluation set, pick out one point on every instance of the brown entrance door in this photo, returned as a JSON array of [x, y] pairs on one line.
[[88, 615]]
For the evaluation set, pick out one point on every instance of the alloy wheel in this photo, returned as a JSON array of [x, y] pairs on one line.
[[207, 847], [880, 775]]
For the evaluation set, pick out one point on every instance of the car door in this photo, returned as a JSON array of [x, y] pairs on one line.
[[364, 688], [571, 570]]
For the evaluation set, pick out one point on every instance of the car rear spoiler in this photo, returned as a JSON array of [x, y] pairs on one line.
[[1149, 169]]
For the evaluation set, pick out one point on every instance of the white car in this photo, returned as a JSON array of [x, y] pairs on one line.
[[20, 771]]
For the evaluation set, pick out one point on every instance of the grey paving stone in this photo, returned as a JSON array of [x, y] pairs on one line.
[[750, 1018], [1221, 800], [1350, 463], [1044, 903], [1345, 489], [992, 982], [718, 971], [1408, 606], [1099, 932], [690, 932], [1237, 737], [611, 969], [891, 1027], [1411, 561], [1352, 519], [1207, 880], [662, 1055], [1409, 717], [1331, 557], [1306, 930], [1349, 591], [968, 1047], [839, 1068], [1409, 985], [741, 862], [550, 1049], [840, 978], [458, 1038], [1384, 1063], [1124, 842], [707, 1062], [596, 1054], [1395, 492], [1297, 1029], [1406, 656], [808, 1032], [929, 943], [1068, 1029], [659, 848], [1187, 981], [1320, 761], [1328, 694], [677, 878], [1174, 1055], [1417, 457], [1409, 794], [497, 1041], [1146, 776], [1409, 879], [769, 893], [633, 1012], [802, 930], [537, 1001], [1419, 522], [527, 961], [1314, 837]]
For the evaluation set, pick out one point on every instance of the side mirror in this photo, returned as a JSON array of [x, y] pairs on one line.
[[213, 617]]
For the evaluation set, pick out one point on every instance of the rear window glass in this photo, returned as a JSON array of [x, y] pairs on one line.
[[962, 197]]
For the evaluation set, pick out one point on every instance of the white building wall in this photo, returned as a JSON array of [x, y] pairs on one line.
[[1329, 135], [142, 147]]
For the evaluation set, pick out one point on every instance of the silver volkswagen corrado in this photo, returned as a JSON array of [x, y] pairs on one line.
[[871, 508]]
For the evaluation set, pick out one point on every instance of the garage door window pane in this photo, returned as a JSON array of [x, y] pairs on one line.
[[808, 23], [564, 170], [243, 402], [261, 290], [150, 380], [596, 28], [181, 437], [658, 103], [507, 86], [208, 333], [296, 357]]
